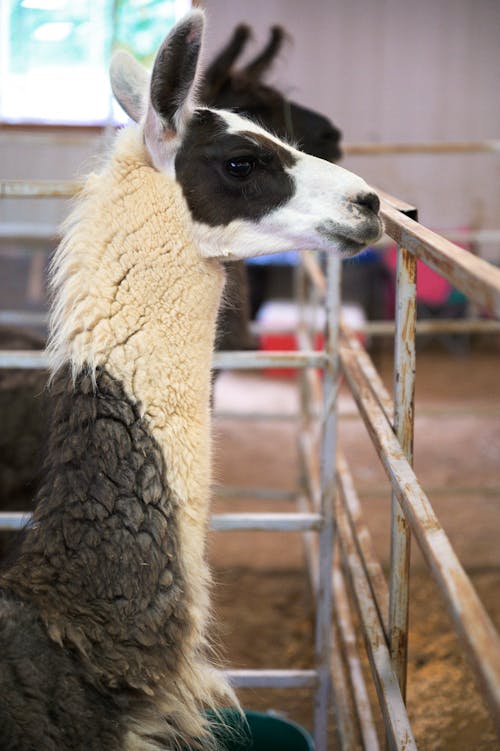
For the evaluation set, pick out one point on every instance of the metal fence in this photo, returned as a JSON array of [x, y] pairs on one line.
[[340, 552], [383, 608]]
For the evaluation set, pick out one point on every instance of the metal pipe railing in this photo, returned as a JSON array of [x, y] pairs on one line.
[[255, 522], [404, 391], [476, 278], [482, 282], [352, 710], [37, 360], [326, 535], [470, 618], [385, 149], [273, 678]]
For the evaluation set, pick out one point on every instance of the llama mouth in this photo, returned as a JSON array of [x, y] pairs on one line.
[[351, 240], [348, 248]]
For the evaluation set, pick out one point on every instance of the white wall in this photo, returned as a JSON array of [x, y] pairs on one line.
[[383, 70], [44, 155]]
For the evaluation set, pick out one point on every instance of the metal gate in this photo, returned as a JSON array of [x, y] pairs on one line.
[[339, 549]]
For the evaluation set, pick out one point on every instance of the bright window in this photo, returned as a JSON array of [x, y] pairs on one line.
[[54, 54]]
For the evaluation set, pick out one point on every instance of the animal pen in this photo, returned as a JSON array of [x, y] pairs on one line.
[[342, 566]]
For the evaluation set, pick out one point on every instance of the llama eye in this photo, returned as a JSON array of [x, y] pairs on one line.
[[240, 167]]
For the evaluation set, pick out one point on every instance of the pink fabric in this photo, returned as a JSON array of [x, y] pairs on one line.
[[432, 288]]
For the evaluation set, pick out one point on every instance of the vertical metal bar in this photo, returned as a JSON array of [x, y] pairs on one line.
[[342, 699], [304, 392], [305, 497], [404, 389], [310, 389], [328, 464]]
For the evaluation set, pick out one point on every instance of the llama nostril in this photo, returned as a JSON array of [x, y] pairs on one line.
[[369, 200]]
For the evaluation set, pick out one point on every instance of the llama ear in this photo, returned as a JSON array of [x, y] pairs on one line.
[[173, 88], [129, 82]]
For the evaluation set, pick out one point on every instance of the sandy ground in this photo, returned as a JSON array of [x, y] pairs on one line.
[[263, 601]]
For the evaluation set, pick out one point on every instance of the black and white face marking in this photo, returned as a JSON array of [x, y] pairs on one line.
[[228, 176], [249, 193]]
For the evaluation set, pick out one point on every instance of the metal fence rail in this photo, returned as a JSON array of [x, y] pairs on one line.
[[412, 507], [457, 147], [340, 552], [476, 278]]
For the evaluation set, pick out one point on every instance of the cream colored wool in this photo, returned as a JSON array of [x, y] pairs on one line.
[[134, 295]]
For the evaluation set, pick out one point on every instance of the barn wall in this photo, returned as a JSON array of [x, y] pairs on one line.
[[383, 70], [42, 155]]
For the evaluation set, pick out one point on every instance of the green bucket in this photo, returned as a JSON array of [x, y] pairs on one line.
[[259, 731]]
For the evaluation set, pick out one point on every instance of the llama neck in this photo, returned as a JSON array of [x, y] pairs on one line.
[[118, 542], [135, 297]]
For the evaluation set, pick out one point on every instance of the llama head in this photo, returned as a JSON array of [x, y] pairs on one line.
[[244, 90], [248, 192]]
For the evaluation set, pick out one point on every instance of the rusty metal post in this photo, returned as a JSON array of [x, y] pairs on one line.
[[326, 536], [476, 278], [404, 390]]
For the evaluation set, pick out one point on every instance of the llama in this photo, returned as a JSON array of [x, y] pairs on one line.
[[22, 393], [104, 615]]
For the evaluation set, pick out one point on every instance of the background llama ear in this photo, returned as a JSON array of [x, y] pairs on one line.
[[261, 64], [129, 82], [219, 70]]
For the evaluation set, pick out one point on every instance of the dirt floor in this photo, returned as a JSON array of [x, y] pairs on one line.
[[264, 606]]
